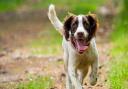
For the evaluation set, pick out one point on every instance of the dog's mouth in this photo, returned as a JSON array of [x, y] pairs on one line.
[[80, 44]]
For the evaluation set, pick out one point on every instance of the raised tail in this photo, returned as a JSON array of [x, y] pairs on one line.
[[54, 19]]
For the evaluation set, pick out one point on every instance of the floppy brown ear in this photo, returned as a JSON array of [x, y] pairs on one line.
[[93, 24], [67, 26]]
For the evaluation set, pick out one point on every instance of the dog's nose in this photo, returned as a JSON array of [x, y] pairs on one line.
[[80, 34]]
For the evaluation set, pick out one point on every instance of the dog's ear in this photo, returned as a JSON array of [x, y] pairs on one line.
[[71, 14], [67, 26], [93, 23]]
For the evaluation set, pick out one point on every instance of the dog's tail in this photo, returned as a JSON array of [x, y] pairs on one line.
[[54, 19]]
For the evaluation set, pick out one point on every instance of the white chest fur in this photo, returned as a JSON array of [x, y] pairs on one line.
[[73, 57]]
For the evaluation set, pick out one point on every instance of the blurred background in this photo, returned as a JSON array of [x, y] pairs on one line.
[[31, 52]]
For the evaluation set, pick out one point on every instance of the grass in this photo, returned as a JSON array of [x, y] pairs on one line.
[[50, 41], [118, 76], [10, 5], [77, 6], [48, 44], [36, 83]]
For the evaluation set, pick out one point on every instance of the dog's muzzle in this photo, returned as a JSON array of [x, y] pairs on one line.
[[79, 43]]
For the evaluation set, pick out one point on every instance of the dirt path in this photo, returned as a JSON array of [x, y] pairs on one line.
[[15, 70], [16, 62]]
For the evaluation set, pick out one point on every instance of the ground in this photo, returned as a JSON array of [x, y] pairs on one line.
[[17, 62]]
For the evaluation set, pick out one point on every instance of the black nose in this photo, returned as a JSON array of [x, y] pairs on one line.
[[80, 34]]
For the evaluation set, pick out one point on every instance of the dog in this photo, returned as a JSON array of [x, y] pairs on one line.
[[80, 51]]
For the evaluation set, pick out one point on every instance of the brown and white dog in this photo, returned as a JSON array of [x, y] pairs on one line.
[[79, 46]]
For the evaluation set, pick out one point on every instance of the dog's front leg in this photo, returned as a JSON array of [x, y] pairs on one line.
[[93, 75], [74, 78], [68, 82]]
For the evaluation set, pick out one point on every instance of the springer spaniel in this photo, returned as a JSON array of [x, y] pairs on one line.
[[79, 46]]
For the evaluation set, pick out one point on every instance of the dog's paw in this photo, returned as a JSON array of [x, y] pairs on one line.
[[93, 80]]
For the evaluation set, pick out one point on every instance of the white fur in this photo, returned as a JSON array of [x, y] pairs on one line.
[[80, 27], [54, 19], [76, 64]]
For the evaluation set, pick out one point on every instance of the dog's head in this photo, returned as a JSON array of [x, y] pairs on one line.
[[80, 30]]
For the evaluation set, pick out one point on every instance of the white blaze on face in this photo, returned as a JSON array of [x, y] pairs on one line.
[[80, 45], [80, 27]]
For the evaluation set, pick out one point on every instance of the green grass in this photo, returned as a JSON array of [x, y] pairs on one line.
[[10, 5], [36, 83], [118, 76], [50, 41], [75, 6], [48, 44]]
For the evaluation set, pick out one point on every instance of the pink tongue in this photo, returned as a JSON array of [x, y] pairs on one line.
[[81, 47]]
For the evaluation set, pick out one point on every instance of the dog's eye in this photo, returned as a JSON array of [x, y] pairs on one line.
[[74, 26], [86, 25]]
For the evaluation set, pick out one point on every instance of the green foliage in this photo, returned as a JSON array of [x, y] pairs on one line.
[[37, 83], [9, 5], [77, 6], [126, 4], [118, 77]]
